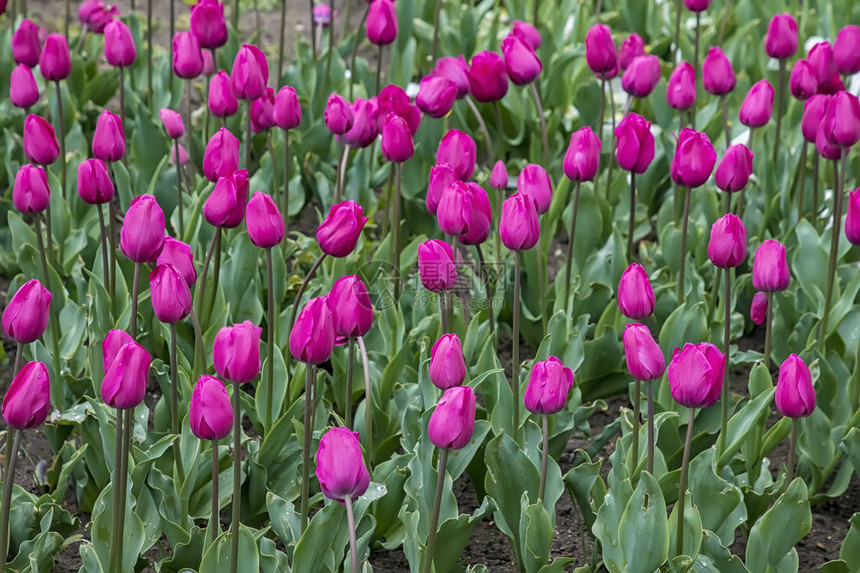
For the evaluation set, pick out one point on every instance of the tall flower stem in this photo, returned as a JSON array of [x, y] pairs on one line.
[[352, 57], [815, 161], [515, 345], [122, 92], [684, 223], [9, 476], [149, 52], [637, 395], [602, 107], [172, 32], [441, 469], [54, 319], [437, 12], [174, 405], [379, 69], [649, 390], [302, 290], [543, 129], [486, 278], [685, 468], [727, 126], [112, 234], [780, 98], [792, 452], [117, 515], [19, 356], [62, 138], [443, 310], [500, 130], [216, 272], [769, 330], [338, 185], [350, 360], [678, 4], [287, 166], [310, 381], [482, 125], [179, 199], [104, 242], [544, 455], [835, 232], [395, 248], [631, 227], [214, 521], [570, 239], [727, 333], [199, 356], [235, 17], [696, 53], [200, 292], [313, 27], [123, 482], [612, 120], [237, 478], [353, 545], [248, 136], [804, 151], [189, 127], [270, 342], [135, 292], [281, 37], [368, 401], [331, 35]]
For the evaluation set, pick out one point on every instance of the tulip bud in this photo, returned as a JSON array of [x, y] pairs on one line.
[[582, 158], [757, 106], [55, 62], [396, 143], [313, 336], [210, 414], [112, 344], [781, 40], [718, 76], [26, 47], [23, 90], [727, 247], [479, 216], [25, 317], [458, 150], [436, 266], [250, 73], [351, 308], [820, 58], [499, 176], [393, 99], [142, 233], [802, 82], [340, 468], [187, 56], [28, 399], [178, 254], [222, 102], [697, 5], [124, 383], [441, 176], [644, 358], [636, 298], [120, 50], [696, 375], [208, 24], [171, 295], [381, 22], [758, 308], [549, 384], [825, 148], [528, 33], [365, 125], [109, 137], [519, 226], [635, 143], [264, 220], [225, 206], [842, 120], [40, 141], [436, 95], [172, 122], [322, 15], [795, 395], [640, 79], [94, 15], [681, 89], [455, 70], [694, 158], [488, 77], [339, 232], [534, 182], [236, 352], [221, 157], [451, 213], [338, 115], [770, 269], [521, 61], [94, 183], [852, 220], [600, 54], [452, 423], [846, 51], [447, 365], [735, 169], [813, 115], [287, 113], [262, 112], [31, 193], [632, 47]]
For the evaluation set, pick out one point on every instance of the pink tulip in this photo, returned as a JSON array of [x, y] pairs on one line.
[[365, 125], [94, 183], [644, 358], [758, 308], [478, 216], [40, 141], [287, 113], [397, 145], [696, 375], [436, 266], [208, 24], [852, 220], [814, 111], [313, 336], [795, 395], [757, 106], [521, 61], [519, 226], [636, 298], [381, 22], [488, 77], [210, 413], [171, 295], [221, 157], [351, 308], [142, 233], [452, 423], [250, 73], [846, 50], [393, 99], [26, 315], [109, 137], [176, 253], [550, 382], [735, 169], [187, 56], [527, 33], [842, 120], [635, 143], [23, 90], [582, 158], [600, 53], [681, 89], [236, 352], [441, 176], [455, 70], [124, 383], [26, 47], [95, 15], [727, 247], [458, 150], [447, 365], [642, 76], [534, 182], [436, 95], [694, 158], [225, 206], [770, 269], [802, 82], [264, 220], [632, 47], [718, 76], [262, 112], [781, 40], [28, 399], [30, 193], [340, 468], [499, 176], [222, 102], [55, 62], [338, 115], [340, 231], [111, 346], [120, 50], [172, 122]]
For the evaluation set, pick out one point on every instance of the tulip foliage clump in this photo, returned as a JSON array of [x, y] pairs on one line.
[[573, 281]]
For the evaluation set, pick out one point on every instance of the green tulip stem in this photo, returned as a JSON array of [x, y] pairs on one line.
[[237, 477], [750, 140], [631, 226], [122, 92], [482, 125], [602, 107], [792, 452], [248, 136], [214, 521], [801, 175], [815, 160], [104, 242], [379, 69], [313, 27], [727, 334], [179, 200], [544, 455], [61, 137], [355, 44], [199, 353], [543, 128], [634, 433], [54, 321], [235, 17], [441, 468], [570, 239], [678, 4], [281, 38], [306, 446], [353, 545], [149, 53], [172, 32], [696, 57], [443, 310], [216, 272], [123, 484], [835, 232], [286, 199], [649, 390], [298, 299], [684, 224], [368, 402], [500, 130], [485, 275], [597, 12], [206, 121], [112, 235], [174, 405], [331, 38], [612, 121], [768, 330], [117, 468], [188, 127], [727, 126], [436, 15], [780, 98], [341, 165], [515, 345], [135, 292], [19, 356], [682, 491], [395, 247], [350, 360], [270, 338], [12, 446]]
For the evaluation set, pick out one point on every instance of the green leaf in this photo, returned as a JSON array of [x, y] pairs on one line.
[[743, 422], [720, 503], [217, 558], [536, 534], [780, 528], [643, 529]]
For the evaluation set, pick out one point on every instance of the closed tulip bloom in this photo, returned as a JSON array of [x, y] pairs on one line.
[[634, 149], [339, 232], [549, 384], [236, 352], [25, 317], [499, 176], [394, 99], [436, 266], [488, 77], [172, 122], [458, 150], [534, 182], [521, 61], [262, 112], [820, 58], [171, 295], [112, 344], [781, 40], [28, 399], [640, 79], [697, 5], [814, 111], [40, 141], [187, 55], [338, 115], [109, 137], [519, 226], [381, 22], [397, 145], [351, 308], [55, 63], [600, 53], [287, 113], [365, 125], [795, 395], [758, 308], [644, 358], [120, 50], [322, 15], [31, 193], [225, 206], [632, 47], [452, 211], [208, 24], [636, 298], [727, 247], [221, 157], [436, 95], [718, 76], [440, 177], [582, 158], [447, 365], [770, 269], [94, 15], [694, 158], [842, 120], [696, 375], [681, 88], [124, 384], [735, 169], [94, 183], [852, 220], [757, 106], [178, 254], [803, 83], [452, 422], [210, 414], [340, 468], [825, 148], [250, 73], [222, 102], [142, 233], [313, 336], [455, 70], [846, 50], [26, 47], [832, 86], [479, 216], [264, 220], [527, 33], [23, 90]]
